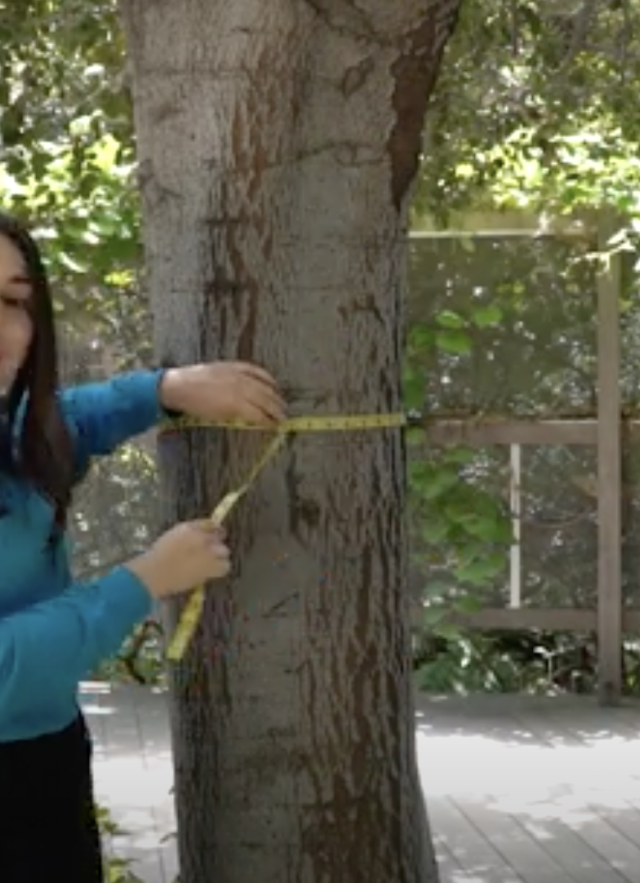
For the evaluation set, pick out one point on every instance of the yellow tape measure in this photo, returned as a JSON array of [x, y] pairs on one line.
[[301, 424], [192, 612]]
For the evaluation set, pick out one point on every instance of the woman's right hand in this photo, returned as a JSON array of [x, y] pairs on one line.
[[184, 557]]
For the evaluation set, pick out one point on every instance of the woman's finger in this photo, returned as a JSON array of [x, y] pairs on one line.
[[258, 414], [258, 373], [266, 400]]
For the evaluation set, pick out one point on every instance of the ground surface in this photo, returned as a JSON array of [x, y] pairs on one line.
[[520, 790]]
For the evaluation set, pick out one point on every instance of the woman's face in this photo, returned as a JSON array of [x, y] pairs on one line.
[[16, 325]]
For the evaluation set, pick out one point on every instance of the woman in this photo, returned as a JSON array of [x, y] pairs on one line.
[[52, 631]]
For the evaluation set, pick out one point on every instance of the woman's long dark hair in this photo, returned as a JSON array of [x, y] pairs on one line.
[[46, 452]]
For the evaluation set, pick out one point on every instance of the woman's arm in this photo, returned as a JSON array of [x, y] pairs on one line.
[[46, 649], [101, 416]]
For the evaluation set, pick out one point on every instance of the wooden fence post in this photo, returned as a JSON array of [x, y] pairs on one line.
[[609, 476]]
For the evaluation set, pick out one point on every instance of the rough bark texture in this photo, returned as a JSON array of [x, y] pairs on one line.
[[277, 142]]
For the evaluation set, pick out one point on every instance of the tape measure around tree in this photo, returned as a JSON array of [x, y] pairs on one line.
[[319, 423], [192, 611]]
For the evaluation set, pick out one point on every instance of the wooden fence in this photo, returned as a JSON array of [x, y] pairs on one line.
[[610, 620]]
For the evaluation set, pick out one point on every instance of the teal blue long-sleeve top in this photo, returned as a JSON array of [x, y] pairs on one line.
[[53, 632]]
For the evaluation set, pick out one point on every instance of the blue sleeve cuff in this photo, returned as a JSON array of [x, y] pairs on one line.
[[125, 593], [136, 396], [102, 416]]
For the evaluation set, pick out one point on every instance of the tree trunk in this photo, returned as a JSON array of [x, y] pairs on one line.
[[277, 142]]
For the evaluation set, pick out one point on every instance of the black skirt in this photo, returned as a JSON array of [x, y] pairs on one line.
[[48, 829]]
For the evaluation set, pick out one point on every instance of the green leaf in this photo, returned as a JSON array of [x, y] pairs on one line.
[[421, 338], [468, 604], [482, 571], [456, 342], [419, 472], [487, 317], [449, 319], [459, 455], [432, 615], [485, 527], [435, 530], [438, 483]]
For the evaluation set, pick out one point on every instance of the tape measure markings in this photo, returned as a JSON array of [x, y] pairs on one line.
[[329, 423]]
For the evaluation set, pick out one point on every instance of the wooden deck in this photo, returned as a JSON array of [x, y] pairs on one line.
[[519, 790]]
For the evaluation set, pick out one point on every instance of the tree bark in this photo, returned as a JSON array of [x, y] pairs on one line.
[[277, 142]]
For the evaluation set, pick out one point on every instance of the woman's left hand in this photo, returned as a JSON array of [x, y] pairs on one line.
[[224, 392]]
